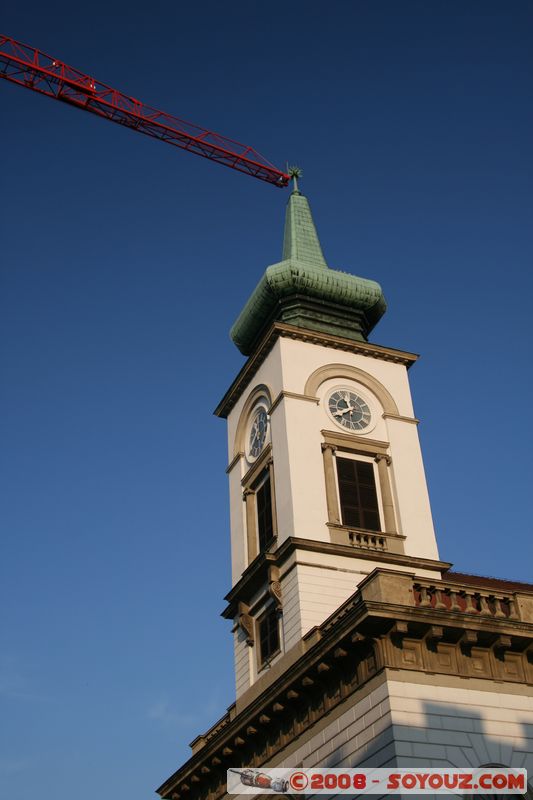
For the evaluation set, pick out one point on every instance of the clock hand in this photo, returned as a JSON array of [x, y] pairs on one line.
[[341, 412]]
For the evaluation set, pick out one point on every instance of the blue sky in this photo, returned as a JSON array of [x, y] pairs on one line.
[[124, 264]]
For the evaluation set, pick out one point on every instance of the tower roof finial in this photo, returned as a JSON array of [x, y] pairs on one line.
[[294, 172]]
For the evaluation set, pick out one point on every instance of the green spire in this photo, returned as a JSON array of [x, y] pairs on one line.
[[300, 240]]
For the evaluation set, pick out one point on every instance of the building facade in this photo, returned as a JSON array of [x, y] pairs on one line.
[[355, 645]]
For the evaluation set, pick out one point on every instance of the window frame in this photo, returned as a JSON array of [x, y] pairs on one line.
[[266, 477], [258, 474], [358, 458], [361, 448], [276, 614]]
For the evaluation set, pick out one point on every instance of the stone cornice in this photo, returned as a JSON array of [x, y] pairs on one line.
[[294, 396], [401, 418], [358, 444], [394, 621], [324, 339], [235, 460], [256, 575], [253, 577]]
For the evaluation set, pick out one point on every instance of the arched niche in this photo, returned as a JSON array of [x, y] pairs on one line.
[[261, 390], [322, 374]]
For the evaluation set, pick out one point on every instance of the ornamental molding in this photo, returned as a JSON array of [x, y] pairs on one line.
[[347, 372], [259, 391], [383, 457], [401, 418], [328, 446], [255, 577], [234, 461], [343, 343], [293, 396], [355, 444], [280, 329]]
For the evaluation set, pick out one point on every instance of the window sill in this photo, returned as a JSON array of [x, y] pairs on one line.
[[268, 663]]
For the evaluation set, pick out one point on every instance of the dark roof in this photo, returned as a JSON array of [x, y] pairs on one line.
[[489, 583]]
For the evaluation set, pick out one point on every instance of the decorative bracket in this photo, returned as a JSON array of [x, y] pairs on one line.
[[246, 623], [434, 633], [400, 629], [502, 643], [468, 639], [274, 586]]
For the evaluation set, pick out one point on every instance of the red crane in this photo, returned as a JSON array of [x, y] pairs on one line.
[[33, 69]]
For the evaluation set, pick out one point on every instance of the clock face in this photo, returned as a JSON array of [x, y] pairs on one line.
[[349, 410], [258, 432]]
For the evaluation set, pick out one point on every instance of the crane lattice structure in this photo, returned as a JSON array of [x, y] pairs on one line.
[[29, 67]]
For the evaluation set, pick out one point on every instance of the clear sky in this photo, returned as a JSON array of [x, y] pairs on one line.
[[124, 264]]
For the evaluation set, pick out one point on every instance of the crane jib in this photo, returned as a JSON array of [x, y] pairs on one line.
[[33, 69]]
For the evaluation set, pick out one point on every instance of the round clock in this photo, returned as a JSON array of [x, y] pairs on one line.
[[349, 410], [258, 432]]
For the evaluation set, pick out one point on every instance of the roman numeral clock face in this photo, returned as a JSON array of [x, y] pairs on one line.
[[258, 432], [349, 410]]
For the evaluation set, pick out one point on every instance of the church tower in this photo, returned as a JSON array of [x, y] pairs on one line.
[[355, 646], [325, 468]]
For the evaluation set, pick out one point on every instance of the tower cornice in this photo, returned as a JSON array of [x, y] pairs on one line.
[[255, 575], [281, 329]]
